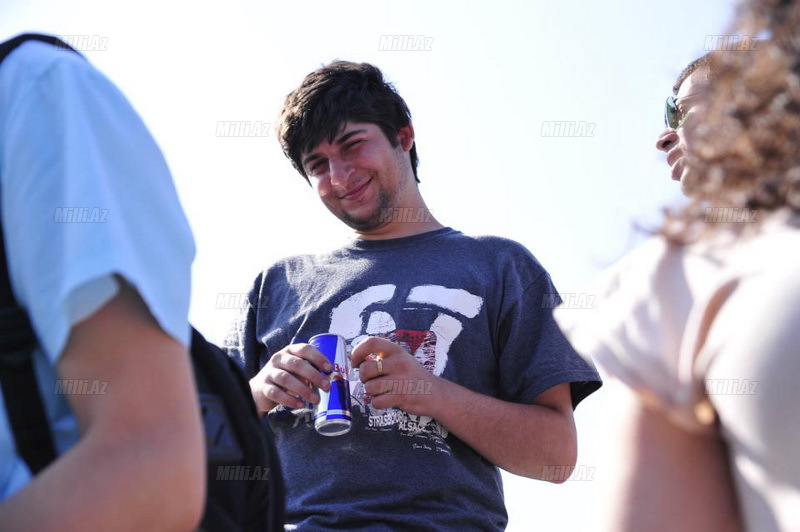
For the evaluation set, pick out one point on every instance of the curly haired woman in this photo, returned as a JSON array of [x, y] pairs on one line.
[[702, 322]]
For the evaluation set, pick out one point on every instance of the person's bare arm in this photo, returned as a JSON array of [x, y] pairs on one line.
[[140, 460], [535, 440], [675, 480]]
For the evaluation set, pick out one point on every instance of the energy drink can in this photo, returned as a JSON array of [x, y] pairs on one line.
[[332, 414]]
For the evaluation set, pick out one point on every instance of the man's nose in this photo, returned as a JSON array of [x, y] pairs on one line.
[[340, 171], [667, 140]]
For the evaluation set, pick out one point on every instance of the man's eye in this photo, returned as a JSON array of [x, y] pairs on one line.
[[316, 167], [352, 144]]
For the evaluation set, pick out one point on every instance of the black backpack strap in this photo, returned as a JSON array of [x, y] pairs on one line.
[[20, 389], [8, 46], [264, 497], [24, 405]]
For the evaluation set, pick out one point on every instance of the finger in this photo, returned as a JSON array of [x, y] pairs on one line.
[[384, 401], [370, 345], [382, 386], [298, 388], [311, 354], [260, 398], [266, 396], [300, 368], [279, 396], [369, 369]]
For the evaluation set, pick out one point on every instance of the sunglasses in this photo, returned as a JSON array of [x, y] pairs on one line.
[[673, 117]]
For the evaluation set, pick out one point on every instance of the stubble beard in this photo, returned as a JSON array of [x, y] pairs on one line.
[[372, 220]]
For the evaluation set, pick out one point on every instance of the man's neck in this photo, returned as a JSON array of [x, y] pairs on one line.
[[400, 222]]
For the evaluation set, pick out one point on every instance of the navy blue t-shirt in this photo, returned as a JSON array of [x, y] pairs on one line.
[[474, 310]]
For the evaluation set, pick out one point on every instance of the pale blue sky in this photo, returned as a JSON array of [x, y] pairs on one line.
[[494, 72]]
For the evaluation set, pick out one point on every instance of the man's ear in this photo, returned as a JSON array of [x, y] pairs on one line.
[[405, 136]]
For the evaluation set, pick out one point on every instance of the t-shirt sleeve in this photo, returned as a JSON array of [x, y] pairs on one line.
[[535, 354], [241, 342], [86, 195], [635, 329]]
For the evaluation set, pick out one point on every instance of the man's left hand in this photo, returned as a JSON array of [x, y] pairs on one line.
[[393, 377]]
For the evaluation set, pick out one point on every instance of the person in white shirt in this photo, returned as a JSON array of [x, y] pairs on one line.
[[99, 255], [702, 321]]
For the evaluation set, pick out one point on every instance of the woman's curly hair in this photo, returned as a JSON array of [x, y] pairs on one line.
[[745, 149]]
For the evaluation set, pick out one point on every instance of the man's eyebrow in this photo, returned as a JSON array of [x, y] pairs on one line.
[[344, 138], [310, 158]]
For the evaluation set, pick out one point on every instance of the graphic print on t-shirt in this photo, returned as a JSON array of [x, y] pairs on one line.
[[430, 318]]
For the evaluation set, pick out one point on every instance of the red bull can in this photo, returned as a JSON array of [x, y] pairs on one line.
[[332, 415]]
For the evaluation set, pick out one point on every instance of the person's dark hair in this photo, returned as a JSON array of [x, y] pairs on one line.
[[701, 63], [340, 92]]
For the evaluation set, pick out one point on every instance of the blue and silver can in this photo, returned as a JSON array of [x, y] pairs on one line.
[[332, 415]]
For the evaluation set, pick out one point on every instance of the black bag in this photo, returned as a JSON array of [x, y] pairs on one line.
[[245, 487]]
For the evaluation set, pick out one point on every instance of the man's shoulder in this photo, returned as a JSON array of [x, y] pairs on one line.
[[501, 258], [499, 243], [300, 264], [36, 64], [32, 59], [498, 247], [304, 260]]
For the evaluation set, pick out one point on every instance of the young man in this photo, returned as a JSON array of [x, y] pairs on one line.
[[471, 372], [99, 254]]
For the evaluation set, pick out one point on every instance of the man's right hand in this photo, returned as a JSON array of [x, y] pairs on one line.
[[286, 377]]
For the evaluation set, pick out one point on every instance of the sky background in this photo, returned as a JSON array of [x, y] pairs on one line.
[[493, 73]]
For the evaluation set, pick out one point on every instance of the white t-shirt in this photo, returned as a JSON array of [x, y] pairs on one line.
[[84, 194], [710, 332]]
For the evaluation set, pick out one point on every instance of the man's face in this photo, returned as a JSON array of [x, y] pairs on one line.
[[691, 100], [360, 174]]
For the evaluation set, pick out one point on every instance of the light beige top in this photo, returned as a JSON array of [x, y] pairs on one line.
[[713, 329]]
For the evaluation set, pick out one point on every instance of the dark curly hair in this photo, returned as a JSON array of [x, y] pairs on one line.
[[340, 92], [745, 149]]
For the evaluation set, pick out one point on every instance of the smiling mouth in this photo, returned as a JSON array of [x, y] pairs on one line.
[[356, 192]]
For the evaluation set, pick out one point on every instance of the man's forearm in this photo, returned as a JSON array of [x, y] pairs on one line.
[[104, 485], [519, 438], [139, 464]]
